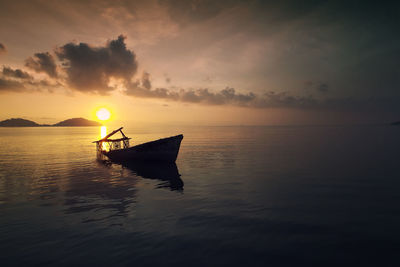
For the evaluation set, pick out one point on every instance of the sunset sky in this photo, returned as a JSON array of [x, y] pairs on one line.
[[201, 62]]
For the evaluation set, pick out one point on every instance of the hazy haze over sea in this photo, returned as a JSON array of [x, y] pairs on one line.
[[256, 196]]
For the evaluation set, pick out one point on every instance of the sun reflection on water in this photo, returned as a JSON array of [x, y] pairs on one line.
[[103, 133]]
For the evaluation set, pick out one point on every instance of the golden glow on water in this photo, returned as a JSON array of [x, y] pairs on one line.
[[103, 114]]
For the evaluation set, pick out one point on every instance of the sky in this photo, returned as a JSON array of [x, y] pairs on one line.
[[201, 62]]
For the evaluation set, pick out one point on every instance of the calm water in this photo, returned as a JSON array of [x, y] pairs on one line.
[[247, 196]]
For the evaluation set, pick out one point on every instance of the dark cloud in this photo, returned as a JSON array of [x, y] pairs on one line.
[[89, 69], [229, 96], [21, 85], [323, 88], [167, 78], [353, 47], [142, 88], [14, 80], [137, 89], [225, 96], [284, 99], [43, 62], [319, 87], [17, 81], [7, 85], [195, 11], [2, 48], [146, 80], [185, 12], [16, 73]]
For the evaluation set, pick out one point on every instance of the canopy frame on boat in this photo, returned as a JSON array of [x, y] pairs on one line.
[[107, 144]]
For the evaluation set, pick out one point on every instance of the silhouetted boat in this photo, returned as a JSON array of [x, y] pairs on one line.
[[162, 150]]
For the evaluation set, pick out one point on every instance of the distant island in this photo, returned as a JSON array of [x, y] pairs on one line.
[[18, 122], [77, 122], [395, 123]]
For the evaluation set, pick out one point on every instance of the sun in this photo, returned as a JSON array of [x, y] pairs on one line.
[[103, 114]]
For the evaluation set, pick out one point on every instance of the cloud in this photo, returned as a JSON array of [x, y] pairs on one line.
[[2, 48], [17, 81], [7, 85], [146, 80], [320, 87], [167, 78], [16, 73], [285, 99], [137, 89], [23, 85], [271, 99], [89, 69], [95, 69], [323, 88], [42, 62], [223, 97], [142, 88], [13, 80], [186, 12], [228, 96]]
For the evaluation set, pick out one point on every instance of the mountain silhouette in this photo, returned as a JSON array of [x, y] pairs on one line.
[[77, 122], [18, 122]]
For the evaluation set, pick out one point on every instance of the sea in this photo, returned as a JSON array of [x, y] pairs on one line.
[[237, 196]]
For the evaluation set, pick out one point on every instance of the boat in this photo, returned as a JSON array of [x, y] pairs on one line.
[[118, 150]]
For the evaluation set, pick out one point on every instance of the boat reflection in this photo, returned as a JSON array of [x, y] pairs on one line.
[[166, 172], [99, 194], [110, 192]]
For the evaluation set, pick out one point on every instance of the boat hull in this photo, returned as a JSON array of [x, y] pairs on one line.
[[162, 150]]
